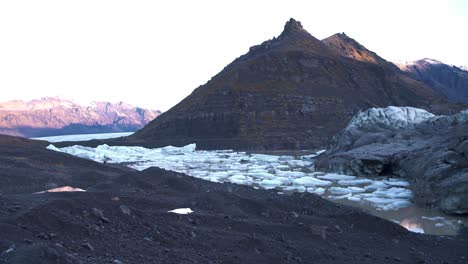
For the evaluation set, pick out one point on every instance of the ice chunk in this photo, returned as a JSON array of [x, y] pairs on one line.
[[356, 189], [387, 203], [310, 181], [218, 174], [270, 184], [394, 192], [434, 218], [300, 189], [354, 198], [339, 190], [375, 185], [354, 182], [318, 191], [54, 148], [299, 163], [397, 182], [182, 211], [320, 152], [261, 175], [240, 179], [292, 174], [336, 177], [176, 150], [265, 158]]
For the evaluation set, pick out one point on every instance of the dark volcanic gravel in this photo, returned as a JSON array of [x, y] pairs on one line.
[[124, 219]]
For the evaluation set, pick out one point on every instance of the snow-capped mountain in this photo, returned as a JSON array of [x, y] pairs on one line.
[[448, 80], [54, 116]]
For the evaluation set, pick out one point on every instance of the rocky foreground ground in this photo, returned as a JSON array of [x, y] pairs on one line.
[[123, 218]]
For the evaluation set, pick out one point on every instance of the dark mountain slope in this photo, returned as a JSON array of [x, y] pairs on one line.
[[291, 92]]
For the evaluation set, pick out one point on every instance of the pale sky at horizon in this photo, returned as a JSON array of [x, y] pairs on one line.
[[154, 53]]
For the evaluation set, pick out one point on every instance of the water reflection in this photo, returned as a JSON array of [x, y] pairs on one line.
[[412, 224], [417, 219]]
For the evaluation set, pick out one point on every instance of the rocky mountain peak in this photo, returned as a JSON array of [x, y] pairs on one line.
[[293, 37], [292, 26], [344, 37]]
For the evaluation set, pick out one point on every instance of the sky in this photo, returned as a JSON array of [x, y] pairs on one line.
[[154, 53]]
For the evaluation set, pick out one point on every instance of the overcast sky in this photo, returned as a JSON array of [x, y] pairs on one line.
[[154, 53]]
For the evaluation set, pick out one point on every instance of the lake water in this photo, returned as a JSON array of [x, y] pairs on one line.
[[84, 137]]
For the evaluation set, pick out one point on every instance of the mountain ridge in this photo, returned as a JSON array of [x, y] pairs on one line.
[[51, 116], [348, 47]]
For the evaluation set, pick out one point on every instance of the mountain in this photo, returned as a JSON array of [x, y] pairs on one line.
[[291, 92], [54, 116], [448, 80]]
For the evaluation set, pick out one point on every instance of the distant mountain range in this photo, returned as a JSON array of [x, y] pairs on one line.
[[54, 116], [448, 80], [291, 92]]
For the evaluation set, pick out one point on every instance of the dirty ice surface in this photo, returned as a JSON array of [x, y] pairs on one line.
[[389, 198], [84, 137]]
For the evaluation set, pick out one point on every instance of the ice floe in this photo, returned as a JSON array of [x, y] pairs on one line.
[[311, 181], [283, 173], [336, 177], [354, 182]]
